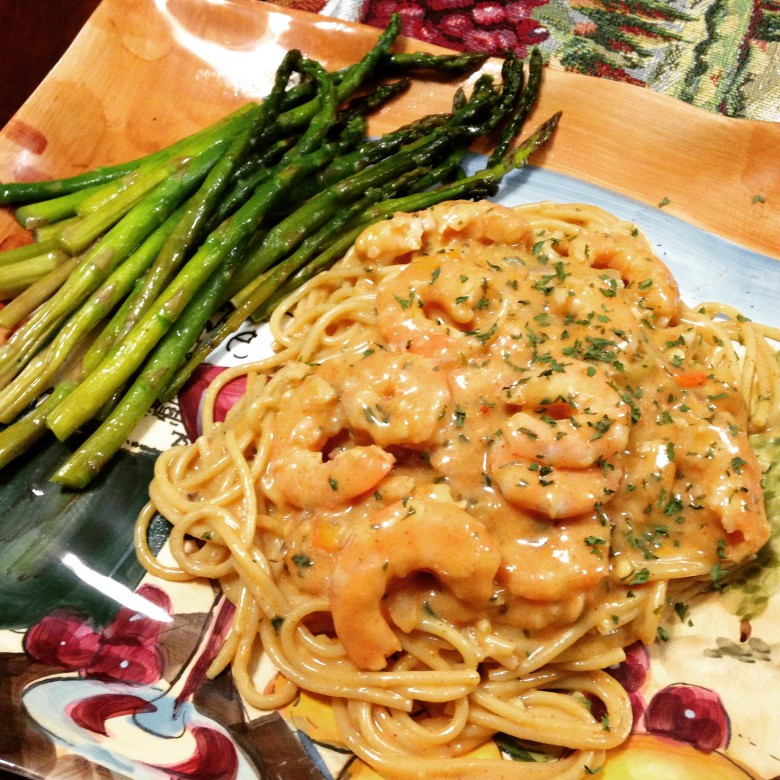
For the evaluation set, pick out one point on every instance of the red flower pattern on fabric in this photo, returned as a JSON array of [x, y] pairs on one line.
[[491, 27]]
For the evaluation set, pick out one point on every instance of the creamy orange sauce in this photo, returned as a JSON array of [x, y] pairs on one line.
[[527, 421]]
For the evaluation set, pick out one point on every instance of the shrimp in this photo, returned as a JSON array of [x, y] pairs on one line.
[[586, 298], [411, 535], [387, 241], [551, 491], [485, 222], [451, 222], [554, 565], [395, 397], [309, 416], [438, 306], [569, 419], [722, 474], [554, 456], [625, 250]]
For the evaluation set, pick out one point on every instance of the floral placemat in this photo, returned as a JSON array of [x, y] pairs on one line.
[[720, 55]]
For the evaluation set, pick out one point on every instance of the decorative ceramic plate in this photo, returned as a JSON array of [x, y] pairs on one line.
[[90, 649]]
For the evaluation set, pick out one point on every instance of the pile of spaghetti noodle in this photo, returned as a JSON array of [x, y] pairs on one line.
[[490, 445]]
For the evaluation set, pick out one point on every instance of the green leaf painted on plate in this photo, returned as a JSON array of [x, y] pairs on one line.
[[48, 534], [748, 594]]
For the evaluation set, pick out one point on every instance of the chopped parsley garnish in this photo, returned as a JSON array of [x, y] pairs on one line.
[[302, 561]]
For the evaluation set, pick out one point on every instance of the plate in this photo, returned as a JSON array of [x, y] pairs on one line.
[[143, 73]]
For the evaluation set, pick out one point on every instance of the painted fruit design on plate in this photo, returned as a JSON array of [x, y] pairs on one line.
[[114, 708]]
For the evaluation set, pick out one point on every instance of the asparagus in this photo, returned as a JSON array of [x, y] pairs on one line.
[[191, 223], [373, 101], [100, 260], [101, 446], [38, 292], [79, 236], [37, 374], [441, 64], [49, 233], [25, 192], [19, 437], [369, 152], [299, 116], [396, 63], [116, 369], [10, 256], [19, 276], [524, 106], [39, 214]]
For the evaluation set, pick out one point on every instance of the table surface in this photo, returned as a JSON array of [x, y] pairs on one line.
[[33, 36]]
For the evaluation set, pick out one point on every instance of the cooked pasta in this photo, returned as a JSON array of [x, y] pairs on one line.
[[490, 442]]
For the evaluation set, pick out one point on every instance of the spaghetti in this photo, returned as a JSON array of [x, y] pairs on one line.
[[490, 444]]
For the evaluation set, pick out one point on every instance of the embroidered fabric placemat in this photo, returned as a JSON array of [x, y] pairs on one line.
[[720, 55]]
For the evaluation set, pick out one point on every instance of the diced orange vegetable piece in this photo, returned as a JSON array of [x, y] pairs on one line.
[[689, 378], [326, 535]]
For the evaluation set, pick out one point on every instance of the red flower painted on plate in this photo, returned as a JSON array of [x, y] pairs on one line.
[[488, 25], [124, 651], [92, 713], [214, 758], [191, 397], [62, 639], [131, 627], [691, 714], [130, 663]]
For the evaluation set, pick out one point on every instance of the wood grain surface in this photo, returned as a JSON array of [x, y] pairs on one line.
[[143, 73]]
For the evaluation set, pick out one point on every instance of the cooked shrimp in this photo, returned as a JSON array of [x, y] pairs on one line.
[[438, 306], [628, 252], [409, 536], [395, 397], [487, 223], [587, 299], [385, 242], [554, 566], [569, 419], [452, 222], [551, 491], [722, 473], [309, 416]]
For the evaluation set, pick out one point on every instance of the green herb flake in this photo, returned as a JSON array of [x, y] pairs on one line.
[[428, 609], [737, 464], [302, 561], [405, 303], [717, 573]]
